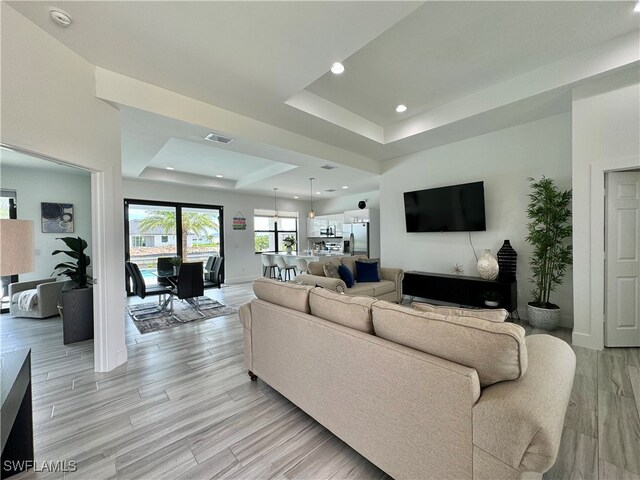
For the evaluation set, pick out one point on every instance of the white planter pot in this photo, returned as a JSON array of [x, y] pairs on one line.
[[544, 318], [288, 249]]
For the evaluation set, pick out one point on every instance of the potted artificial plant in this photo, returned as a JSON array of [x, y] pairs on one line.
[[492, 298], [76, 269], [549, 213]]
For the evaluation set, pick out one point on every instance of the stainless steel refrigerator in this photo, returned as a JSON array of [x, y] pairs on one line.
[[358, 237]]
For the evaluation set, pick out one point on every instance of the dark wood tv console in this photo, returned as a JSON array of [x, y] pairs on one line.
[[460, 290]]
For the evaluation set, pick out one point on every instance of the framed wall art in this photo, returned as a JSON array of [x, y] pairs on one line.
[[57, 217]]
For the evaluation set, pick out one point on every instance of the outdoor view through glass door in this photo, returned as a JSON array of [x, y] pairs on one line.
[[160, 229]]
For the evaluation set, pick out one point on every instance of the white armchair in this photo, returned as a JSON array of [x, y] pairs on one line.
[[47, 294]]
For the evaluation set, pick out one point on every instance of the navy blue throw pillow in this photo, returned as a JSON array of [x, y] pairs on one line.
[[367, 272], [346, 276]]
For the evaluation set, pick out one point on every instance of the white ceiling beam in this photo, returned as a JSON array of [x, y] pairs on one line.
[[123, 90]]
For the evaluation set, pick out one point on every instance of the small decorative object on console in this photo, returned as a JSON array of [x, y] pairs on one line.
[[457, 269], [507, 259], [488, 266]]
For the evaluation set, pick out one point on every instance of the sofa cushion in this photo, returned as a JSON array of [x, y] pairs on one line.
[[364, 289], [373, 260], [383, 287], [353, 312], [350, 263], [493, 315], [496, 350], [346, 276], [367, 272], [330, 270], [316, 268], [289, 295]]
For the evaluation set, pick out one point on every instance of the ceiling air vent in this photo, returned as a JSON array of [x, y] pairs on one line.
[[328, 167], [215, 137], [331, 190]]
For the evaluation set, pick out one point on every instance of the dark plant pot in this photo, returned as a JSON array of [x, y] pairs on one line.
[[543, 318]]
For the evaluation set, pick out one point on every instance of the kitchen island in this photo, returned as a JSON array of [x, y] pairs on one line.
[[299, 260]]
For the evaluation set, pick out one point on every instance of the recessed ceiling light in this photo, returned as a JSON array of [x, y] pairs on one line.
[[169, 168], [60, 17], [401, 108], [637, 7], [219, 176], [296, 197], [345, 187], [318, 193], [337, 68]]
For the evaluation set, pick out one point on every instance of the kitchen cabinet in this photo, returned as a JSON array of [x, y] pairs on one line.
[[322, 224]]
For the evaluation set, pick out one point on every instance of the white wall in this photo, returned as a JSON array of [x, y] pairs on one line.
[[49, 107], [606, 136], [61, 186], [503, 160], [346, 202], [241, 262]]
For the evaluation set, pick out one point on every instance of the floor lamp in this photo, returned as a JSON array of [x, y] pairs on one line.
[[16, 246]]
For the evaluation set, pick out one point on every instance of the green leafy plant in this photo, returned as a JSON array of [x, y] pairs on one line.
[[76, 271], [289, 241], [549, 212]]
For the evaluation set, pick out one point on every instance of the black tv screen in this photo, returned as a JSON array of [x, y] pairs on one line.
[[456, 208]]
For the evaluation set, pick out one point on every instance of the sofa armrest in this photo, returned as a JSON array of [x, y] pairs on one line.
[[332, 284], [396, 275], [244, 312], [520, 422], [31, 284], [50, 293]]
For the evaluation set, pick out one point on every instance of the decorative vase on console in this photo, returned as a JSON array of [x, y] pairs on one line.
[[507, 259], [488, 266]]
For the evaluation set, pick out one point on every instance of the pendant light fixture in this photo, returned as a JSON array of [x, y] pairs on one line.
[[312, 214], [275, 204]]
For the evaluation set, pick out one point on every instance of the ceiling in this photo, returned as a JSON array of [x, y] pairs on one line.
[[269, 61]]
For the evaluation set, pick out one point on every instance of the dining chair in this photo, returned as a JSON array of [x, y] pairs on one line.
[[190, 285], [283, 267], [141, 289], [212, 278], [268, 264], [165, 266]]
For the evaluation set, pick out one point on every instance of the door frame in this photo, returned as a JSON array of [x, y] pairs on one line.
[[597, 240]]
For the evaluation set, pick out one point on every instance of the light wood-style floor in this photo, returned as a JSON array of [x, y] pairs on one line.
[[184, 407]]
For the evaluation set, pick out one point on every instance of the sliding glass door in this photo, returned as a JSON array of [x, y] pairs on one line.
[[162, 229]]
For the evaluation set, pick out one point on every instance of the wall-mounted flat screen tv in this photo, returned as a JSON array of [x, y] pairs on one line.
[[456, 208]]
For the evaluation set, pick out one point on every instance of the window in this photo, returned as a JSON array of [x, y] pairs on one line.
[[270, 234], [164, 238]]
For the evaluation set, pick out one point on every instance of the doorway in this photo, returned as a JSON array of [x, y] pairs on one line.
[[622, 259]]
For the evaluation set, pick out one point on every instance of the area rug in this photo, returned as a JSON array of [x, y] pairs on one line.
[[150, 319]]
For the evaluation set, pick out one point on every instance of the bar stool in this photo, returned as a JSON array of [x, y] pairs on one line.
[[282, 265], [301, 264], [268, 264]]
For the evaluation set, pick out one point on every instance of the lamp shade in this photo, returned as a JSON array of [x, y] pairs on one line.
[[16, 246]]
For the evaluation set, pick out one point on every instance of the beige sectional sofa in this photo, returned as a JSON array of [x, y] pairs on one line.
[[388, 288], [420, 394]]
